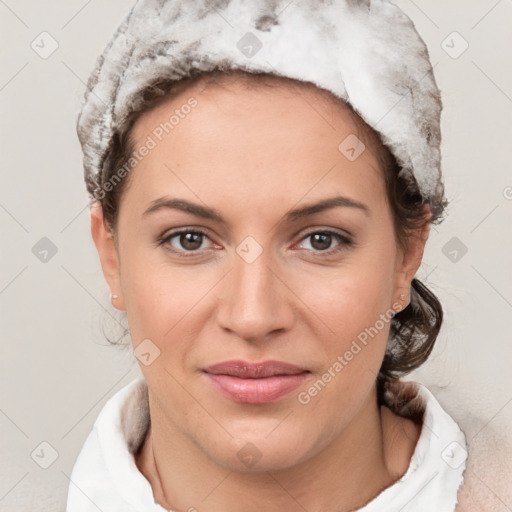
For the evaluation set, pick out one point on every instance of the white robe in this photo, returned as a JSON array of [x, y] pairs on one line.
[[105, 475]]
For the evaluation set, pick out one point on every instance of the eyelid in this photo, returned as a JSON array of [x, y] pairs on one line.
[[333, 231]]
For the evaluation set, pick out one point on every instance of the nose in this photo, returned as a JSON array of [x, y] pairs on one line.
[[257, 303]]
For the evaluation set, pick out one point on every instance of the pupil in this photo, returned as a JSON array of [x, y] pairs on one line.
[[323, 238], [191, 241]]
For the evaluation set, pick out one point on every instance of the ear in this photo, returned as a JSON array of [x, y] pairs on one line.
[[107, 252], [409, 261]]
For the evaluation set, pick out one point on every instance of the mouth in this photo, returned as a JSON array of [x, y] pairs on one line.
[[255, 383]]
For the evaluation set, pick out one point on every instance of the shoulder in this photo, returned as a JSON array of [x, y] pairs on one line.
[[486, 483], [487, 479]]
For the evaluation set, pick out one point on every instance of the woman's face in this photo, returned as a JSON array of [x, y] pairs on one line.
[[223, 257]]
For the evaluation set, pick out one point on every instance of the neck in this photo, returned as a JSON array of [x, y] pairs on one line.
[[371, 454]]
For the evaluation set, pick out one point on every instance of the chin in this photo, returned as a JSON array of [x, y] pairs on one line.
[[261, 452]]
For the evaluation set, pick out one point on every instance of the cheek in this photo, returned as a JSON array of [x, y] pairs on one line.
[[351, 297], [352, 309], [159, 298], [155, 295], [356, 308]]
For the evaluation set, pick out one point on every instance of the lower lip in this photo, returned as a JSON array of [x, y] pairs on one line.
[[257, 391]]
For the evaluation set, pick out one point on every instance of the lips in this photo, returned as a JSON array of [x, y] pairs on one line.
[[255, 383]]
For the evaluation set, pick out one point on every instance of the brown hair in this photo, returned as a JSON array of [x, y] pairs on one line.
[[413, 330]]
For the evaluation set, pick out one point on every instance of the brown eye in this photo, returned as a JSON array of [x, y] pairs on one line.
[[321, 241], [324, 241], [191, 241], [184, 241]]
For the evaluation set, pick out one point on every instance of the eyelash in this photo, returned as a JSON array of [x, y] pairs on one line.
[[345, 242]]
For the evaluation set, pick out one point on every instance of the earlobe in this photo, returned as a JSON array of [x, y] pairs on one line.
[[107, 252]]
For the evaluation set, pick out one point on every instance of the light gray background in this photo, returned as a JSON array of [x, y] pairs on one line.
[[57, 370]]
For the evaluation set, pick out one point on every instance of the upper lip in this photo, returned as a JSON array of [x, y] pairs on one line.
[[251, 370]]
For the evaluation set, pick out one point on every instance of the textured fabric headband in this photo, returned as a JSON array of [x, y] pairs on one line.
[[367, 53]]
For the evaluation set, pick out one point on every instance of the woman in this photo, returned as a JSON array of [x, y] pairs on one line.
[[263, 178]]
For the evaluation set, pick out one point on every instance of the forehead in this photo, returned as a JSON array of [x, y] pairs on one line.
[[246, 91], [256, 134]]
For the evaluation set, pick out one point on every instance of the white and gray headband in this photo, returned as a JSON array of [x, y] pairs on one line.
[[367, 53]]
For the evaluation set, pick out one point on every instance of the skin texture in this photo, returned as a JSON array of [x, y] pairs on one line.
[[253, 154]]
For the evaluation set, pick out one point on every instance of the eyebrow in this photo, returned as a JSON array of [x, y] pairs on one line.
[[206, 212]]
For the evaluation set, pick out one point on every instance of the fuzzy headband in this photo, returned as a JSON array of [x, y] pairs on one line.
[[368, 53]]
